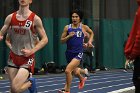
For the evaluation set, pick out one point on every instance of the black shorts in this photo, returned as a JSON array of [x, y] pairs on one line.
[[136, 73]]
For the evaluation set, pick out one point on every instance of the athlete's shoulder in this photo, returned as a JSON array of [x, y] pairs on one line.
[[66, 27], [8, 18], [37, 19], [10, 15], [34, 14], [85, 26]]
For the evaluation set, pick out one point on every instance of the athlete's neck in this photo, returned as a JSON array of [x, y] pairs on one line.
[[75, 25], [23, 10]]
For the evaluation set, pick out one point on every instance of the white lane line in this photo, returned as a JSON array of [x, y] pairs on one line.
[[93, 84], [123, 90], [104, 88], [95, 75], [89, 80], [63, 78]]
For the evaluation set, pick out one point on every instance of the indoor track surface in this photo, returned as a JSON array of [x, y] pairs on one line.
[[99, 82]]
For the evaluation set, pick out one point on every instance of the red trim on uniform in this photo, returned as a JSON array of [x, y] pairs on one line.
[[32, 19], [15, 21], [20, 60]]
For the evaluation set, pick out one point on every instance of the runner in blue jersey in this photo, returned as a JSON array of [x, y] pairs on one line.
[[73, 36]]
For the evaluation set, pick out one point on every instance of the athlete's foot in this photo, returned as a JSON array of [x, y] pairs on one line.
[[86, 72], [33, 88], [31, 75], [125, 70], [82, 83], [62, 91], [133, 68], [93, 71]]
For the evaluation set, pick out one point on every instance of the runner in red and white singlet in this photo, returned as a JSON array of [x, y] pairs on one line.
[[22, 28]]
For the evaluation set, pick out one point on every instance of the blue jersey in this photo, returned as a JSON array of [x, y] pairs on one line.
[[75, 43]]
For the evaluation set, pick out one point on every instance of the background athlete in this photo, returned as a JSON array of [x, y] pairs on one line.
[[73, 36]]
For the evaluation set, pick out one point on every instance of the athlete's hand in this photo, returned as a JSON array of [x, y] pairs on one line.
[[85, 45], [1, 37], [26, 52], [89, 44], [71, 34]]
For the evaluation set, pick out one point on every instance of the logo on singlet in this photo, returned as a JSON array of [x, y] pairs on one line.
[[79, 33], [20, 31], [80, 55], [28, 23], [30, 61]]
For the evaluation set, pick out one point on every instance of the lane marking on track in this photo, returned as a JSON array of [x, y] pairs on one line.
[[104, 88], [123, 90]]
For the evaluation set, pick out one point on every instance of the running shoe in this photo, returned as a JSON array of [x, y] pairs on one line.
[[129, 65], [133, 68], [125, 70], [62, 91], [33, 88], [82, 83], [86, 72]]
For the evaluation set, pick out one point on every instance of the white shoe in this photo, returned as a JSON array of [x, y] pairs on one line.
[[125, 70], [86, 72]]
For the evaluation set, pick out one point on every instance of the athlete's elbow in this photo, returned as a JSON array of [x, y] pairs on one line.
[[62, 41], [45, 40]]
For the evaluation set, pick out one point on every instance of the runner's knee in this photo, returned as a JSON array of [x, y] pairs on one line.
[[77, 71], [68, 71], [15, 88]]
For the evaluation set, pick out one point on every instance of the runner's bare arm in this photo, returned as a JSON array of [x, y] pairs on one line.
[[41, 31], [64, 36], [8, 42], [5, 26], [90, 32], [90, 36]]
